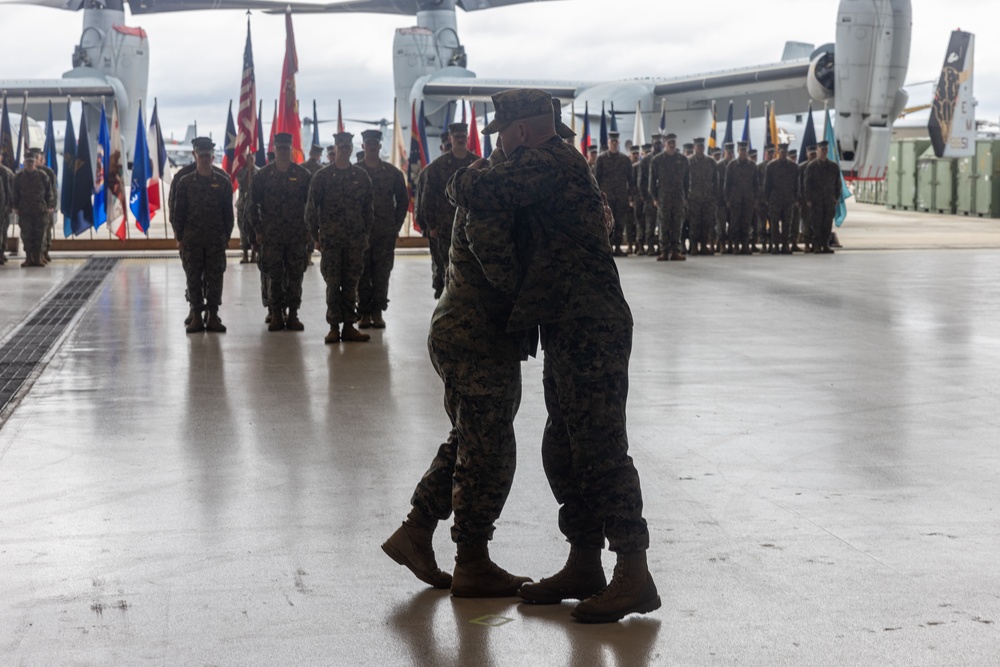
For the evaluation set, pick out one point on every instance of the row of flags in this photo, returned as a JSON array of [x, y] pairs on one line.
[[92, 192]]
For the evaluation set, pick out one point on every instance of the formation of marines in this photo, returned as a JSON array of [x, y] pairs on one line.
[[351, 213], [31, 194], [670, 203]]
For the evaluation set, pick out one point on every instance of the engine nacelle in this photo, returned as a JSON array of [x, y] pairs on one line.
[[822, 79]]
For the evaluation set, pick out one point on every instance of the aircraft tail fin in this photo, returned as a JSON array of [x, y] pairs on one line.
[[952, 124], [192, 132]]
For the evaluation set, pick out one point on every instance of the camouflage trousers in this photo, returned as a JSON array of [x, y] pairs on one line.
[[670, 217], [50, 233], [284, 265], [823, 212], [204, 267], [740, 218], [619, 208], [373, 291], [343, 257], [473, 470], [241, 224], [439, 247], [701, 213], [649, 222], [4, 226], [783, 224], [721, 231], [585, 445], [636, 229], [33, 228]]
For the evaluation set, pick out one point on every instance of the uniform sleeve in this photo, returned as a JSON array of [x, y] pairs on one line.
[[179, 212], [490, 240], [687, 180], [522, 181], [256, 203], [312, 206], [368, 205], [226, 200], [768, 180], [402, 199], [654, 180]]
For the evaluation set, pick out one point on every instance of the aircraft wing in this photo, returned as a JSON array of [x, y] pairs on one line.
[[402, 7], [482, 89], [57, 90], [784, 83]]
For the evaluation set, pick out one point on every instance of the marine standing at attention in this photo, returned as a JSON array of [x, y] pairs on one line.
[[390, 204], [435, 213], [33, 201], [669, 182], [203, 221], [613, 171], [278, 210], [339, 213]]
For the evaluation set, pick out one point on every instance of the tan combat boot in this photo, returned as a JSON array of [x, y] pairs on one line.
[[631, 591], [277, 322], [377, 321], [412, 547], [214, 324], [581, 577], [476, 576], [366, 322], [333, 336], [352, 335], [292, 322], [197, 324]]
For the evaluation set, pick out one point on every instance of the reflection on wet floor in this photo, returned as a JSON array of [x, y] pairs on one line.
[[815, 438]]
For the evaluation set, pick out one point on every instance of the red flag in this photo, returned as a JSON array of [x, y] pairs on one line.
[[473, 130], [246, 117], [288, 104], [417, 160], [274, 128]]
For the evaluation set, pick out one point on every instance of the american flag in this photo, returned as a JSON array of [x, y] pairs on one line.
[[246, 117]]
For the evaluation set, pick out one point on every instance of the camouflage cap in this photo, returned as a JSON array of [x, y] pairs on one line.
[[823, 144], [343, 139], [647, 147], [688, 146], [792, 151], [729, 146], [371, 135], [742, 144], [315, 149], [203, 145], [670, 137], [562, 129], [331, 148], [613, 134], [282, 140], [460, 128], [657, 137], [518, 104], [811, 148], [782, 147], [699, 141], [635, 149], [592, 149]]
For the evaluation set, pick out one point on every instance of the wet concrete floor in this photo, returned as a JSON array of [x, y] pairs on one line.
[[816, 436]]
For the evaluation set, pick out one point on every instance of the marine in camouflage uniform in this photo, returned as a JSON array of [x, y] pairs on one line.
[[248, 241], [635, 203], [50, 229], [741, 199], [313, 165], [6, 206], [781, 191], [723, 243], [703, 196], [33, 201], [278, 211], [613, 171], [570, 288], [203, 222], [758, 228], [804, 209], [339, 213], [669, 182], [480, 365], [435, 214], [649, 207], [822, 192], [391, 202]]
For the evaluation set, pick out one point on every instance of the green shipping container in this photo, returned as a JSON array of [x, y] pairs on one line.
[[935, 183], [987, 188], [965, 186], [893, 180], [911, 151]]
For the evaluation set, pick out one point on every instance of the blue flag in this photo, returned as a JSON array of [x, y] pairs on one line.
[[138, 196], [604, 129], [422, 129], [51, 157], [81, 214], [746, 127], [6, 140], [614, 121], [101, 196], [834, 155], [229, 148], [728, 139], [663, 119], [260, 157], [808, 136], [487, 144], [315, 139], [69, 159]]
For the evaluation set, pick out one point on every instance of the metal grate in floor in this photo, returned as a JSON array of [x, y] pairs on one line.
[[32, 341]]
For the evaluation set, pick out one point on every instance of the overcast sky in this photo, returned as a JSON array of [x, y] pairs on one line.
[[196, 57]]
